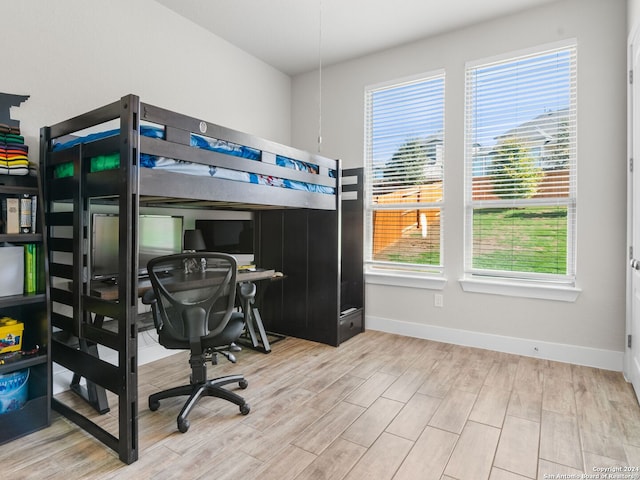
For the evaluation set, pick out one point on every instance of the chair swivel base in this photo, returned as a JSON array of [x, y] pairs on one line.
[[210, 388]]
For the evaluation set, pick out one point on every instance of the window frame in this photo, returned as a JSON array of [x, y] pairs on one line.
[[515, 283], [398, 273]]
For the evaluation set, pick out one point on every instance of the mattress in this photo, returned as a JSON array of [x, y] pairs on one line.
[[106, 162]]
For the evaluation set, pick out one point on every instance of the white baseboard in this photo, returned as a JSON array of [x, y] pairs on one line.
[[576, 354]]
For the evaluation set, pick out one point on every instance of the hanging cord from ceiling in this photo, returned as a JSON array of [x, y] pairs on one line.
[[320, 76]]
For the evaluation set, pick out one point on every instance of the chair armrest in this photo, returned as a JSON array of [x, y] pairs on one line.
[[149, 298], [247, 292]]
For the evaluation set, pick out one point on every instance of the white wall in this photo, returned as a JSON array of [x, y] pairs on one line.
[[71, 56], [588, 331], [633, 14]]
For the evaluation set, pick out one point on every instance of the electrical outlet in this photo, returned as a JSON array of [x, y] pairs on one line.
[[438, 300]]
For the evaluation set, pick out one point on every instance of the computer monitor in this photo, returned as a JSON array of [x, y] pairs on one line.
[[229, 236], [157, 235]]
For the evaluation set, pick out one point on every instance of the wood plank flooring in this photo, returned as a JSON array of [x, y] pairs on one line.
[[381, 407]]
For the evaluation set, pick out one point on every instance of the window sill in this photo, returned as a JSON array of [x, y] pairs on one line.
[[521, 289], [405, 279]]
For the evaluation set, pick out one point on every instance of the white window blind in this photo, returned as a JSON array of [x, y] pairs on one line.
[[520, 180], [404, 150]]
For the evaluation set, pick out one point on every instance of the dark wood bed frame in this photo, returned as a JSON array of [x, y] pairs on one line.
[[316, 239]]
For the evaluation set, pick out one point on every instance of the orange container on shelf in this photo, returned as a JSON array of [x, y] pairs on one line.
[[10, 334]]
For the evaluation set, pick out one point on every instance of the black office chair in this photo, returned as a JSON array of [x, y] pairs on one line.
[[193, 308]]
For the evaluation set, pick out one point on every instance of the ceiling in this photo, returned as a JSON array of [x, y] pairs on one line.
[[287, 35]]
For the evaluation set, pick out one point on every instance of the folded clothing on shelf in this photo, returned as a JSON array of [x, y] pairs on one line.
[[4, 128], [14, 154]]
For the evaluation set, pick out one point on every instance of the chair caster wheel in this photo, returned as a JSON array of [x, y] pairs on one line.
[[154, 405], [243, 384], [183, 425], [245, 409]]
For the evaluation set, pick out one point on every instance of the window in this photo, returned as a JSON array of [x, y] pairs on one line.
[[404, 150], [520, 167]]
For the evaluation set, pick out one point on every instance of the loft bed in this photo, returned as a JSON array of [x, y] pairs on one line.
[[133, 155], [212, 155]]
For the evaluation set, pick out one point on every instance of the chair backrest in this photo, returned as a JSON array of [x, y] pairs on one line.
[[182, 287]]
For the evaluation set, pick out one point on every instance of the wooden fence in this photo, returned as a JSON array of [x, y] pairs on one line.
[[391, 225], [554, 183]]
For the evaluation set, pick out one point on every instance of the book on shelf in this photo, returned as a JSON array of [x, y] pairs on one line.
[[12, 221], [30, 268], [3, 215], [34, 209], [19, 214], [25, 213], [11, 270], [33, 268], [40, 276]]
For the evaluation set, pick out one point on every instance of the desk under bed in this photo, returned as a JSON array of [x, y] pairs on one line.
[[154, 157]]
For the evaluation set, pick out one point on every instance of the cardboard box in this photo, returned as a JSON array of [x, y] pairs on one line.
[[10, 335], [11, 271]]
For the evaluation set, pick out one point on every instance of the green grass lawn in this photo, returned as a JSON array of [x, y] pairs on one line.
[[521, 239], [530, 239], [430, 257]]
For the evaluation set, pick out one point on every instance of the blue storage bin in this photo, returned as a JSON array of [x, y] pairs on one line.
[[14, 390]]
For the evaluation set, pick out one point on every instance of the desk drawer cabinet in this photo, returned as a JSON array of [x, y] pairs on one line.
[[321, 253], [350, 324]]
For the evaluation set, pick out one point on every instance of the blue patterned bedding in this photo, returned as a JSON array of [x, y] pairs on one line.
[[192, 168]]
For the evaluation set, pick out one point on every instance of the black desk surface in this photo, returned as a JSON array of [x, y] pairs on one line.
[[109, 291]]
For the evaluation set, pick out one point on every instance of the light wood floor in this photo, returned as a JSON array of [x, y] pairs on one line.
[[380, 406]]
